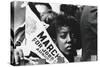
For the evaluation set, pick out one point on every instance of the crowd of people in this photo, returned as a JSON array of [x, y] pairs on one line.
[[74, 29]]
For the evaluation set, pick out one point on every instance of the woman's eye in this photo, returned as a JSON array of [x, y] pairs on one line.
[[63, 36]]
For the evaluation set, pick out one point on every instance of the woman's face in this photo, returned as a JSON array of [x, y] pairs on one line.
[[64, 39]]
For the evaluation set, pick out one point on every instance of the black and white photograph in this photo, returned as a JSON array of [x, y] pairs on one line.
[[52, 33]]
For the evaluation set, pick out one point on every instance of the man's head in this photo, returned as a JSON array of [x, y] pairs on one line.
[[62, 29], [46, 13], [42, 7], [43, 11]]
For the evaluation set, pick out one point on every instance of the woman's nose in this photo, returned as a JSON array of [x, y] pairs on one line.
[[68, 38]]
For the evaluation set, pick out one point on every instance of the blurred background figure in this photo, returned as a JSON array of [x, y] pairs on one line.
[[68, 9], [88, 26], [46, 12], [17, 30], [46, 15], [71, 10]]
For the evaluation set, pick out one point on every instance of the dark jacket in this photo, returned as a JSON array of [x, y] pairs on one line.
[[88, 26]]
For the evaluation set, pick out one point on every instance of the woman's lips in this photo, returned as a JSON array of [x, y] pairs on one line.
[[68, 47]]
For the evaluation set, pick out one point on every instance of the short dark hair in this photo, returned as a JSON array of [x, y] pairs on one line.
[[60, 21]]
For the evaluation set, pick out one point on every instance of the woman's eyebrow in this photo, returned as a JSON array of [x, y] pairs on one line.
[[63, 32]]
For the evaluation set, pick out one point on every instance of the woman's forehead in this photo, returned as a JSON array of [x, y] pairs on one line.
[[64, 29]]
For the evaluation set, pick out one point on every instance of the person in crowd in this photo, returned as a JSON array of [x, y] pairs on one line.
[[88, 27], [45, 12], [40, 9], [19, 35], [66, 35]]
